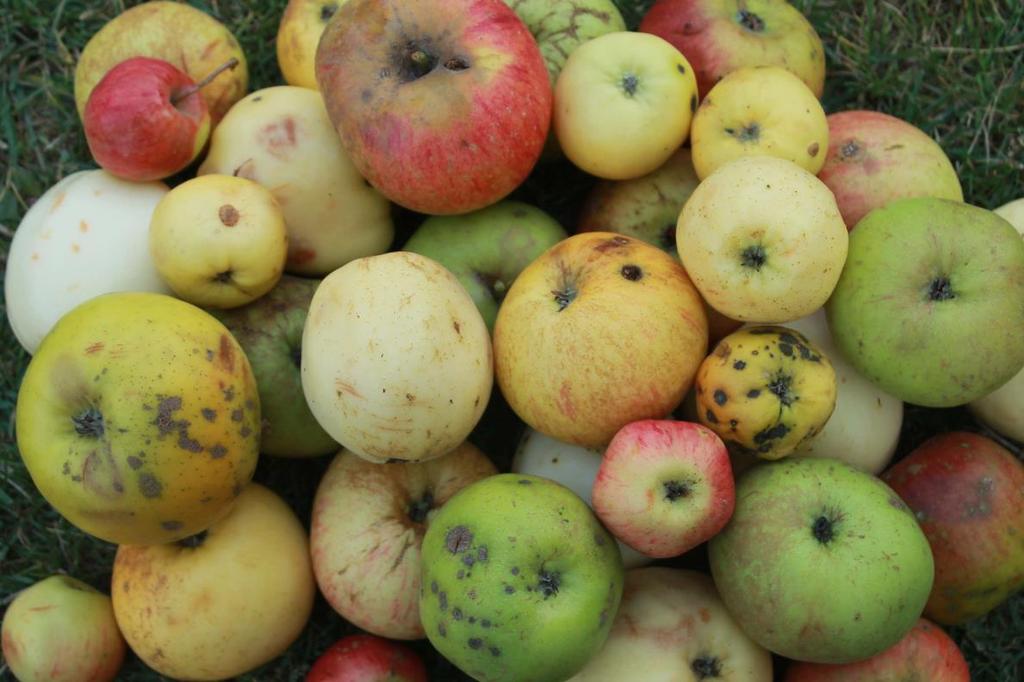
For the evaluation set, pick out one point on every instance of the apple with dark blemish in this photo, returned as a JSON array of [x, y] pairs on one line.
[[520, 581], [63, 630], [302, 24], [567, 334], [444, 106], [138, 418], [821, 562], [365, 658], [664, 486], [967, 492], [368, 525]]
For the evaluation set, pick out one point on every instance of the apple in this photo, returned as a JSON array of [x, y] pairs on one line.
[[70, 246], [396, 360], [298, 35], [365, 658], [269, 330], [443, 105], [664, 486], [368, 526], [673, 623], [220, 603], [821, 562], [967, 492], [520, 581], [763, 240], [623, 103], [281, 138], [874, 158], [138, 418], [763, 110], [219, 240], [722, 36], [487, 249], [928, 305], [925, 653], [63, 630], [178, 33], [566, 337], [1013, 212]]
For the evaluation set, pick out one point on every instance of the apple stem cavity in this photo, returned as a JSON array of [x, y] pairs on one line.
[[418, 510], [676, 489], [748, 133], [753, 257], [705, 667], [750, 21], [327, 11], [223, 277], [89, 423], [191, 90], [564, 297], [940, 289], [549, 583], [193, 541], [630, 83], [822, 530]]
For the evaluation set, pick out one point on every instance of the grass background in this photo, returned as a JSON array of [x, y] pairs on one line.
[[954, 68]]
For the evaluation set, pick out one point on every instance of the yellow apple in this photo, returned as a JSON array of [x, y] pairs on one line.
[[221, 603], [297, 37], [1014, 213], [138, 418], [188, 38], [282, 138], [759, 111], [219, 240]]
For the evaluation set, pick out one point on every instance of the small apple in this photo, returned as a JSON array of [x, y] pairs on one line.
[[664, 486], [967, 492], [365, 658], [443, 105], [63, 630], [520, 580], [821, 562], [367, 529], [929, 303], [298, 35]]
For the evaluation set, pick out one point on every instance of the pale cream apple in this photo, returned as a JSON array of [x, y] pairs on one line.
[[567, 336], [281, 138], [219, 241], [221, 603], [1013, 212], [673, 626], [757, 111], [763, 240], [297, 37], [396, 359], [623, 104]]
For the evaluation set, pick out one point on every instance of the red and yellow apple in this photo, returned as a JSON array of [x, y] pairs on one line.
[[365, 658]]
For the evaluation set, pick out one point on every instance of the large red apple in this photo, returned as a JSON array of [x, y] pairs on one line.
[[366, 658], [443, 105]]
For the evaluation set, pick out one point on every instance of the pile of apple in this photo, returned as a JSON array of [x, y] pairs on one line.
[[720, 355]]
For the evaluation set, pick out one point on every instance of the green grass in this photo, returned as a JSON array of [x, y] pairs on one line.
[[953, 68]]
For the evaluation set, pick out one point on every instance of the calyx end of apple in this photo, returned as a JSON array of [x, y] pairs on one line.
[[940, 289], [193, 541], [750, 21], [706, 667], [675, 490], [89, 423]]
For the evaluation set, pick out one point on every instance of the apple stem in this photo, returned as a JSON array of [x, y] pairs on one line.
[[189, 91]]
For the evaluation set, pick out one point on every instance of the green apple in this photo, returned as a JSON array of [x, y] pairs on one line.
[[929, 303], [520, 581], [821, 562], [487, 249]]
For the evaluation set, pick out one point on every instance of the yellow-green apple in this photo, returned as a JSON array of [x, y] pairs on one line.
[[367, 530], [763, 240], [220, 603], [270, 332], [821, 562], [967, 492], [673, 623], [396, 360], [664, 486], [623, 104], [138, 418], [281, 138], [759, 111], [443, 106], [218, 240], [1013, 212], [487, 249], [71, 246], [874, 158], [570, 465], [298, 35], [520, 580], [766, 390], [923, 276], [926, 654], [365, 658], [178, 33], [61, 630], [721, 36], [567, 332]]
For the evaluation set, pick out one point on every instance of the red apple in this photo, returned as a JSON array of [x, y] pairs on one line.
[[443, 105], [366, 658], [664, 487], [967, 493], [925, 653]]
